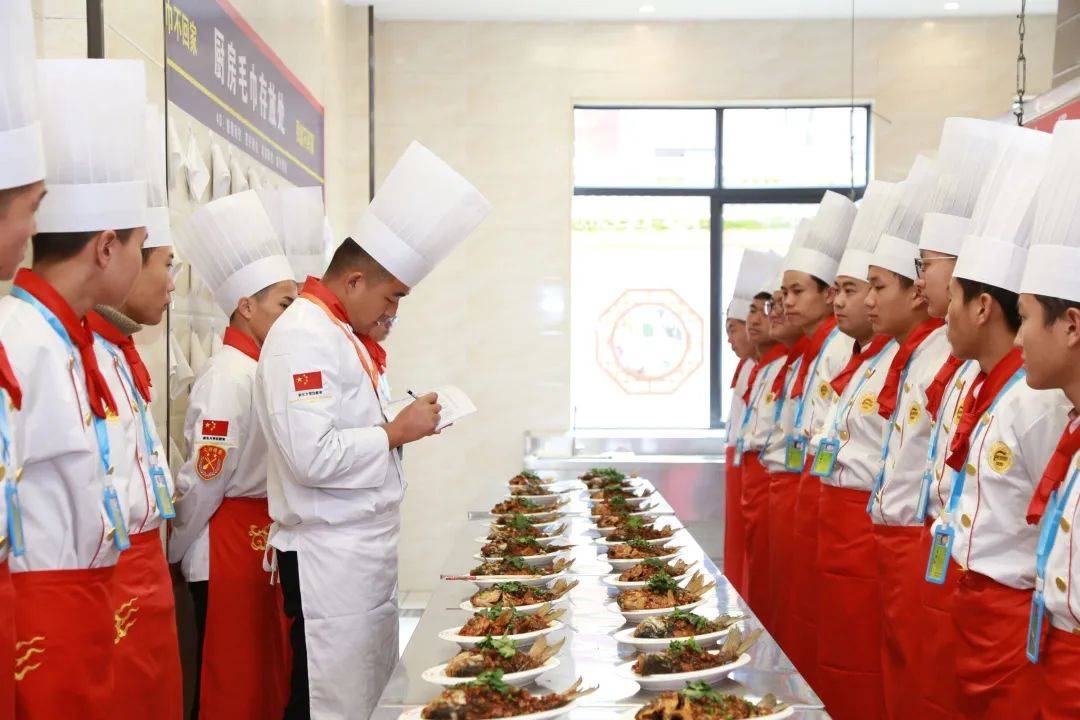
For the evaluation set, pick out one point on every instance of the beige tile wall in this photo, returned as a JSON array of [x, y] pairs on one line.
[[495, 100]]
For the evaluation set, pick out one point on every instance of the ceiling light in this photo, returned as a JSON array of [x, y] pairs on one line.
[[952, 6], [647, 9]]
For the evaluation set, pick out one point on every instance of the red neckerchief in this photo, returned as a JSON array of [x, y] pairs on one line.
[[775, 352], [97, 390], [738, 371], [858, 357], [978, 399], [8, 381], [241, 341], [314, 286], [139, 374], [1055, 471], [376, 351], [813, 347], [890, 391], [794, 353], [935, 392]]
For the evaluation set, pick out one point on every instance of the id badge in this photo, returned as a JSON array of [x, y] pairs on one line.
[[738, 453], [116, 518], [924, 496], [795, 453], [825, 458], [1035, 625], [16, 539], [937, 565], [161, 493]]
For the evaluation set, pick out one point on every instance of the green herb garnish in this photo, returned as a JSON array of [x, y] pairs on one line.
[[638, 544], [681, 646], [516, 562], [701, 690], [656, 564], [494, 613], [503, 645], [634, 523], [492, 679], [617, 501], [694, 619], [528, 475], [512, 588], [519, 522], [662, 583]]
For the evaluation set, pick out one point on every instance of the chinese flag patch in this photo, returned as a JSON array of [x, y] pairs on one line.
[[308, 383], [210, 461], [215, 429]]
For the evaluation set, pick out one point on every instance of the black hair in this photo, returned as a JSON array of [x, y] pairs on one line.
[[8, 195], [60, 246], [1006, 299], [350, 256], [1054, 308], [822, 286], [763, 296]]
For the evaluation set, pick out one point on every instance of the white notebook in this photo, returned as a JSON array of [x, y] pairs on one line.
[[455, 405]]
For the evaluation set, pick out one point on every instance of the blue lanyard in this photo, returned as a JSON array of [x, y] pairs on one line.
[[1051, 520], [780, 403], [846, 408], [5, 431], [879, 481], [960, 476], [810, 380], [748, 412], [148, 438]]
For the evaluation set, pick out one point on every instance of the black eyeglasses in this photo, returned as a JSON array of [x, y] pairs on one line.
[[920, 263]]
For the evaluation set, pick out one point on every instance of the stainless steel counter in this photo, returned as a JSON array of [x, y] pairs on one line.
[[590, 652]]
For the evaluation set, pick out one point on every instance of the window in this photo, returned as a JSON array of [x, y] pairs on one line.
[[665, 202]]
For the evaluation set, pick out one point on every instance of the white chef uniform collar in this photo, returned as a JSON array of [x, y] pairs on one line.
[[22, 157]]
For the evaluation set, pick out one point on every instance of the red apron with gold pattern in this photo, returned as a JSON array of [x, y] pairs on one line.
[[734, 539], [7, 644], [246, 657], [65, 636], [148, 681]]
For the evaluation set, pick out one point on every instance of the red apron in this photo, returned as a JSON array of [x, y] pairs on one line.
[[734, 548], [1060, 670], [147, 679], [849, 615], [7, 644], [900, 573], [755, 504], [65, 630], [938, 681], [783, 489], [246, 659], [802, 635], [996, 678]]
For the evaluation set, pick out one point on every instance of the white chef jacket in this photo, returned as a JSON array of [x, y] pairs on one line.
[[738, 405], [860, 427], [820, 396], [905, 461], [1009, 451], [330, 462], [63, 482], [132, 474], [952, 405], [221, 413], [772, 457], [760, 422], [1061, 589]]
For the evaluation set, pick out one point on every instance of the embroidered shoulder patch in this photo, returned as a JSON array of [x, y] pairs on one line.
[[210, 461], [308, 384], [215, 430]]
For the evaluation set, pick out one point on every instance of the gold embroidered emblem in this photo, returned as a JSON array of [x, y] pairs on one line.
[[1000, 457], [868, 403], [25, 651], [124, 618], [914, 413], [260, 536], [824, 389], [770, 398]]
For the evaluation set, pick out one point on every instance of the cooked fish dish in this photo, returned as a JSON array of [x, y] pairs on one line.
[[698, 701], [663, 592], [515, 594], [498, 653], [489, 696], [688, 656], [638, 550], [521, 547], [680, 624], [640, 532], [517, 566], [651, 567], [508, 621]]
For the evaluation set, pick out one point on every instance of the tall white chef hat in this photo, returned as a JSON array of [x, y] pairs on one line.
[[824, 239], [1054, 256], [996, 249], [798, 239], [422, 211], [877, 206], [231, 244], [299, 219], [158, 233], [755, 269], [22, 158], [897, 248], [92, 120], [968, 149]]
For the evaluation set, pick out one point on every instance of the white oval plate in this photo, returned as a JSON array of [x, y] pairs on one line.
[[677, 681], [604, 542], [626, 637], [627, 564], [488, 580], [785, 713], [614, 581], [636, 616], [520, 640], [542, 500], [545, 526], [532, 560], [414, 714], [437, 675], [467, 605]]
